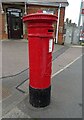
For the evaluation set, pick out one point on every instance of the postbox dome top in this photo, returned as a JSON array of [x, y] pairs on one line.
[[40, 17]]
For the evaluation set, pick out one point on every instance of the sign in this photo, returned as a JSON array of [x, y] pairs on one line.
[[48, 12], [82, 11]]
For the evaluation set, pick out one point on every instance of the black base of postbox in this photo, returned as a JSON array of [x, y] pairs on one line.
[[39, 97]]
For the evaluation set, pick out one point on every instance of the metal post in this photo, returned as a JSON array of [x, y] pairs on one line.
[[58, 24], [79, 21], [80, 13]]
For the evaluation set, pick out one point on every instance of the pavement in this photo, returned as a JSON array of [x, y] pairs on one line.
[[66, 97], [15, 56], [0, 76]]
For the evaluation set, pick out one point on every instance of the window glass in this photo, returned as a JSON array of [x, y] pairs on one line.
[[14, 10], [15, 14], [15, 24]]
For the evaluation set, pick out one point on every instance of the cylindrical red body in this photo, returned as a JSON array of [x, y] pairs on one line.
[[41, 39]]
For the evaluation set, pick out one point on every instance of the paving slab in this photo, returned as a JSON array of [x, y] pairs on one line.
[[16, 113], [67, 57], [0, 79], [0, 59], [24, 87], [14, 57], [6, 92]]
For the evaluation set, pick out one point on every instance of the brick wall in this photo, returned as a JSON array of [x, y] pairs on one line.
[[3, 35], [61, 26], [34, 9], [2, 26]]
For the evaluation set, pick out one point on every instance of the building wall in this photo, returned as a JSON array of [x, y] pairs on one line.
[[72, 35], [61, 26], [75, 39], [68, 37], [31, 9], [34, 9], [2, 27]]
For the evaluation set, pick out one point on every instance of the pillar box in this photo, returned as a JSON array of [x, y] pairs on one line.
[[41, 42]]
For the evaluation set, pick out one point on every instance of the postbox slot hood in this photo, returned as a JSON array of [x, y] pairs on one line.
[[40, 16]]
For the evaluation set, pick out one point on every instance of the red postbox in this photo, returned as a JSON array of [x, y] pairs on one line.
[[41, 39]]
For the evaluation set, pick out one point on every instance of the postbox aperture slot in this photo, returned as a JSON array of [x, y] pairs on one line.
[[50, 30]]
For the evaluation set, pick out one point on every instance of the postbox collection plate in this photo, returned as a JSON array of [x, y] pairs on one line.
[[50, 45]]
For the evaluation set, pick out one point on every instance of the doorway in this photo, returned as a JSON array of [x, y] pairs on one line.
[[14, 21]]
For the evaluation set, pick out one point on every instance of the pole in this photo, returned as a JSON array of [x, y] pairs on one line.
[[79, 21], [58, 24], [80, 13]]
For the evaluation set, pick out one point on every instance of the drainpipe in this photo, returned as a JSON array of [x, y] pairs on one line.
[[58, 24], [25, 7]]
